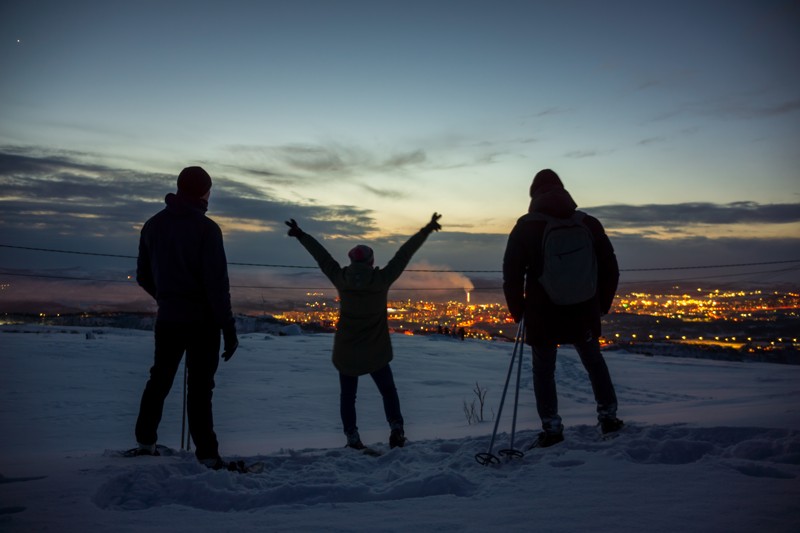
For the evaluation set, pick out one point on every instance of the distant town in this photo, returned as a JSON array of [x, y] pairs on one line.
[[687, 322], [703, 322]]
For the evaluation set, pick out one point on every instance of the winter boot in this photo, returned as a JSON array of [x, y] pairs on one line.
[[354, 441], [610, 425], [547, 439], [142, 449], [214, 463], [397, 438]]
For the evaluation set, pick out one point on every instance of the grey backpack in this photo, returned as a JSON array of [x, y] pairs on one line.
[[569, 262]]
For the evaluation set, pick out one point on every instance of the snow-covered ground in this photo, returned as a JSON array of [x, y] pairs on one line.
[[709, 445]]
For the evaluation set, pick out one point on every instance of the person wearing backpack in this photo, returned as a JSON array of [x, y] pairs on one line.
[[560, 274]]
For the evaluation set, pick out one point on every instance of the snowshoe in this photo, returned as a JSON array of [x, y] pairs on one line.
[[152, 450]]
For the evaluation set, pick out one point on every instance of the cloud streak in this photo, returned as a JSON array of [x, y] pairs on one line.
[[59, 193], [675, 215], [58, 201], [319, 162]]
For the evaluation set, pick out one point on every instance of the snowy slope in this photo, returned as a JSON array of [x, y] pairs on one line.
[[710, 446]]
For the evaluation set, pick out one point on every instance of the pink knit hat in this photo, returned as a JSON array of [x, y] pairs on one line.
[[361, 254]]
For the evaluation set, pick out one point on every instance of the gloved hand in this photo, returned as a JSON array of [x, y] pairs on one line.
[[294, 229], [434, 225], [230, 342]]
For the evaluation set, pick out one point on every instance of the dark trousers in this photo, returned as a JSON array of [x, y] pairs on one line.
[[201, 344], [544, 382], [384, 380]]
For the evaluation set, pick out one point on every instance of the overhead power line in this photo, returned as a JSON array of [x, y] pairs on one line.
[[275, 287], [70, 278], [74, 252], [422, 289], [266, 265], [761, 263], [714, 276]]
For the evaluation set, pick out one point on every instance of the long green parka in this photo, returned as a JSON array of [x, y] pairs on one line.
[[361, 344]]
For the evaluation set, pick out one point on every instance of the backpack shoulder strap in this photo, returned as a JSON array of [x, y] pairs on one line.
[[578, 217], [534, 216]]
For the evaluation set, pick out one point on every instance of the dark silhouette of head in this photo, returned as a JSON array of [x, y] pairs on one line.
[[545, 180], [194, 182]]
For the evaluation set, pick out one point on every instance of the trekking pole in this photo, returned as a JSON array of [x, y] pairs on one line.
[[183, 419], [487, 457], [510, 451]]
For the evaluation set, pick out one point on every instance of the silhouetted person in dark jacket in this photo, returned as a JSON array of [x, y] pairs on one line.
[[182, 265], [547, 324]]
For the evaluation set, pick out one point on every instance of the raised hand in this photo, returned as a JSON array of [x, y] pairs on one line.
[[294, 229], [434, 225]]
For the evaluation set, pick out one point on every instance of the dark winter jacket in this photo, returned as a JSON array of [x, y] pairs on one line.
[[522, 266], [182, 264], [361, 344]]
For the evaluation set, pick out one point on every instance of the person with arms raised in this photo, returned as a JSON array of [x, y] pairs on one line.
[[361, 344]]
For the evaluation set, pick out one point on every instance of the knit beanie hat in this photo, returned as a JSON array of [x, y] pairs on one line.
[[194, 181], [361, 254], [545, 180]]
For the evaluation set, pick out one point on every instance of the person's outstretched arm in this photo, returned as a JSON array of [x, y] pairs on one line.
[[401, 259], [329, 266]]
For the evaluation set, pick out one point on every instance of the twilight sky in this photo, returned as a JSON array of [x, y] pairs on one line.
[[676, 123]]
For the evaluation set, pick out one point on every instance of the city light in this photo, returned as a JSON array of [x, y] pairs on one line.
[[673, 314]]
